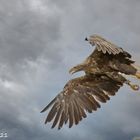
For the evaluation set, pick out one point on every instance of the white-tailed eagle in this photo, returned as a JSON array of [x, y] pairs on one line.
[[104, 70]]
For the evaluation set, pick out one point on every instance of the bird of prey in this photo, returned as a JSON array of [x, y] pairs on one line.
[[104, 75]]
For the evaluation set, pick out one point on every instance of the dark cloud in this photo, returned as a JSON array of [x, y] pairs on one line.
[[40, 40], [27, 35]]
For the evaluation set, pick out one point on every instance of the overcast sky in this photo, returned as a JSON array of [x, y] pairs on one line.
[[39, 41]]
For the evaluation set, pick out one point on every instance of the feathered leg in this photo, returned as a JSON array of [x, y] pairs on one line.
[[119, 78], [137, 74]]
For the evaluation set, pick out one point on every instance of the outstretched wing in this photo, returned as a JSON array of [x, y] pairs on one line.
[[80, 95], [104, 45]]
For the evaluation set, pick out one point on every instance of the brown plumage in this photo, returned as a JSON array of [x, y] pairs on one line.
[[103, 78], [104, 45], [80, 95], [102, 62]]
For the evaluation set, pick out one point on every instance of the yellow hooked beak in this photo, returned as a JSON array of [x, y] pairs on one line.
[[76, 69]]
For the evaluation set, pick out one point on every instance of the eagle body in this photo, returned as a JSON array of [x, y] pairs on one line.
[[100, 63], [109, 62]]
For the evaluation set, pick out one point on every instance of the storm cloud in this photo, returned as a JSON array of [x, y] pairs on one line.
[[39, 41]]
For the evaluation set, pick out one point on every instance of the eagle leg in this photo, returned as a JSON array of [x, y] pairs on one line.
[[138, 74], [119, 78]]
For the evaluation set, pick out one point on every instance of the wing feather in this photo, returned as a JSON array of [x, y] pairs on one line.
[[80, 95], [71, 115], [57, 117], [104, 45], [52, 113], [76, 112]]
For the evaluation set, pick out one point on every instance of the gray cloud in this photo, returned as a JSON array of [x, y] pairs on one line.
[[40, 40], [25, 34], [136, 138]]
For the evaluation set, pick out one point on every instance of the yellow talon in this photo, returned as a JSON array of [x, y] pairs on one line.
[[134, 87]]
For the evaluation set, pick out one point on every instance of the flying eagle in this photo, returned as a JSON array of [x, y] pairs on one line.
[[104, 70]]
